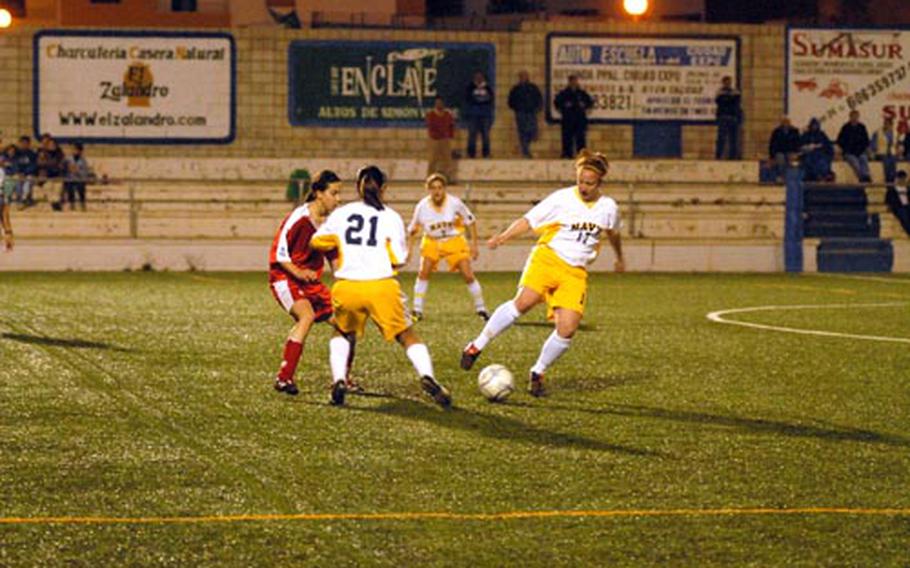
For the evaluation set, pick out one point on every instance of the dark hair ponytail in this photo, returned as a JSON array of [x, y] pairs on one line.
[[370, 181], [321, 183]]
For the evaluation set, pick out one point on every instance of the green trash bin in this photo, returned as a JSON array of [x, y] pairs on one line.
[[298, 185]]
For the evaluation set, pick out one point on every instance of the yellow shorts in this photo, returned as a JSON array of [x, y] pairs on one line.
[[453, 251], [380, 300], [560, 283]]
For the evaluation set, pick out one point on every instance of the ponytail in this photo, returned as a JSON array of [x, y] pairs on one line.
[[370, 182]]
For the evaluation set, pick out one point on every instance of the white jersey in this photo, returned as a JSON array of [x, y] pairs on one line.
[[370, 243], [444, 222], [571, 227]]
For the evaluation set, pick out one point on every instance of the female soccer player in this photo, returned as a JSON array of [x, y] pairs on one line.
[[443, 217], [370, 242], [295, 270], [571, 223]]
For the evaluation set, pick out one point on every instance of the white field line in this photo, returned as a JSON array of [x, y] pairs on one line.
[[718, 318], [895, 280]]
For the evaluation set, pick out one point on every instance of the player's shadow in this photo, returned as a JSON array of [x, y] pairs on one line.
[[549, 325], [498, 427], [830, 432], [60, 342]]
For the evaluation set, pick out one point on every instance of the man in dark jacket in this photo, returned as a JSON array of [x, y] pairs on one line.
[[783, 147], [897, 198], [478, 113], [853, 140], [573, 104], [525, 99], [816, 153], [729, 115]]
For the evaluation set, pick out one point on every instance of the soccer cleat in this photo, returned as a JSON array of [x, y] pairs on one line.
[[339, 389], [436, 391], [484, 315], [468, 356], [287, 387], [416, 316], [536, 386]]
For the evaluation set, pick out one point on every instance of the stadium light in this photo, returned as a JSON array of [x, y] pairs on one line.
[[635, 8], [6, 19]]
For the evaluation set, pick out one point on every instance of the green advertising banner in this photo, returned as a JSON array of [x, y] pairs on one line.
[[376, 84]]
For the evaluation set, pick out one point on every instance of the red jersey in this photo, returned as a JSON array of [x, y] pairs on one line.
[[440, 125], [292, 243]]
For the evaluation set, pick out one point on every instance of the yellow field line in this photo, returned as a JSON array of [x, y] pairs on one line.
[[429, 515]]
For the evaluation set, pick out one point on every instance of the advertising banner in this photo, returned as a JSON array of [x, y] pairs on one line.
[[371, 83], [831, 71], [125, 87], [633, 78]]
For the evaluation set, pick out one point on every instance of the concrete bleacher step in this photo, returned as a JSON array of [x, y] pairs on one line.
[[855, 255]]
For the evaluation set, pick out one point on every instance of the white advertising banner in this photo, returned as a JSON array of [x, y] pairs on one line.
[[135, 87], [642, 78], [831, 71]]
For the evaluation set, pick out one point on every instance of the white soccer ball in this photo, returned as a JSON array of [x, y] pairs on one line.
[[496, 383]]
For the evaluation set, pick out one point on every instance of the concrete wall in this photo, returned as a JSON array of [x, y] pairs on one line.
[[264, 131]]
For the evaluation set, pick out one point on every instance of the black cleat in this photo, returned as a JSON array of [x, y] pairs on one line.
[[536, 386], [484, 315], [287, 387], [339, 389], [436, 391], [468, 356]]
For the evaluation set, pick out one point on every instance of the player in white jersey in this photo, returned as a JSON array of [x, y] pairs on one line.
[[371, 244], [443, 219], [571, 223]]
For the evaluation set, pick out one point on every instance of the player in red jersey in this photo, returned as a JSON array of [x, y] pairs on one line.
[[295, 271]]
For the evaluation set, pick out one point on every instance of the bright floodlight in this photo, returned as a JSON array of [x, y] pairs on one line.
[[635, 7], [5, 18]]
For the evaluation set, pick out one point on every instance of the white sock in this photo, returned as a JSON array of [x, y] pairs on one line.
[[501, 320], [477, 292], [420, 358], [552, 349], [420, 290], [338, 357]]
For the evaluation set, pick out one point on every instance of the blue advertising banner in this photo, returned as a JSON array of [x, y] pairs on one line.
[[377, 84]]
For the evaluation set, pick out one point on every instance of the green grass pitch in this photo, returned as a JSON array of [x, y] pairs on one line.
[[148, 395]]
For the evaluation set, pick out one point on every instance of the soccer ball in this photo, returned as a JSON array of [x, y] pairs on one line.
[[496, 383]]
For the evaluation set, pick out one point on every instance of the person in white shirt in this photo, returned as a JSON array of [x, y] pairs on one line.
[[371, 245], [898, 200], [443, 219], [571, 223]]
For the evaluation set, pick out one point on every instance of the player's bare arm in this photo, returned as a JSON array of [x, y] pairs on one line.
[[475, 247], [518, 227], [619, 264]]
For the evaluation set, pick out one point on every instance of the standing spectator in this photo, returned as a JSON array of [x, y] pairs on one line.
[[26, 168], [478, 113], [441, 129], [525, 99], [729, 115], [898, 200], [782, 148], [78, 173], [573, 103], [6, 195], [816, 153], [884, 147], [904, 149], [853, 140]]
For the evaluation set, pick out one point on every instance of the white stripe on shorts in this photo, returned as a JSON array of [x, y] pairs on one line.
[[283, 291]]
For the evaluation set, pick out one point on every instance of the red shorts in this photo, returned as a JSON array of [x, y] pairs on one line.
[[288, 290]]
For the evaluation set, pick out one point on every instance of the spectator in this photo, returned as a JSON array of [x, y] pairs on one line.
[[816, 153], [78, 173], [49, 160], [6, 194], [26, 168], [573, 104], [885, 147], [441, 129], [898, 200], [729, 115], [904, 149], [783, 147], [525, 99], [478, 113], [853, 140]]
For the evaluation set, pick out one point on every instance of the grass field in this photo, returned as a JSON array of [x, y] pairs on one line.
[[144, 402]]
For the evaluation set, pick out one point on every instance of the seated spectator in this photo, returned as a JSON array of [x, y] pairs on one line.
[[49, 159], [816, 153], [853, 140], [898, 200], [78, 173], [26, 168], [783, 147], [884, 147]]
